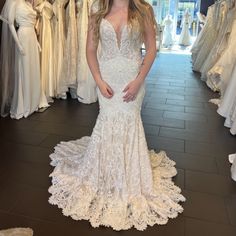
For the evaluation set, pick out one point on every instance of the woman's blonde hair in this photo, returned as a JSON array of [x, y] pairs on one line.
[[139, 13]]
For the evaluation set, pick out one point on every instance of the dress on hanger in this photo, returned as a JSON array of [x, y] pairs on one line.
[[111, 178], [219, 75], [200, 40], [68, 74], [47, 60], [185, 37], [7, 62], [227, 107], [223, 28], [207, 41], [168, 32], [26, 95], [86, 87], [59, 37]]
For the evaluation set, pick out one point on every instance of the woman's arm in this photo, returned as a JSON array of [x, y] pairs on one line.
[[151, 50], [91, 54], [150, 45]]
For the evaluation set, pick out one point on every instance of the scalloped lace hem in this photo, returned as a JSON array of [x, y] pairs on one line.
[[119, 210]]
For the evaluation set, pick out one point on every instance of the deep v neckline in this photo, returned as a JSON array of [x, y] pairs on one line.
[[120, 34]]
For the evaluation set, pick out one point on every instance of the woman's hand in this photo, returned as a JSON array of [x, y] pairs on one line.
[[105, 89], [131, 90]]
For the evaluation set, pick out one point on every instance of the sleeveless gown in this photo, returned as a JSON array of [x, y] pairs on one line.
[[111, 178]]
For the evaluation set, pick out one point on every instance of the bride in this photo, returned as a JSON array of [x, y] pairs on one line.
[[111, 178]]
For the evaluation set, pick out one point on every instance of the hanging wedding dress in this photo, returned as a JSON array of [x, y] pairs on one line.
[[223, 26], [86, 87], [232, 160], [27, 79], [185, 37], [207, 41], [47, 60], [227, 107], [200, 40], [59, 41], [168, 32], [69, 69], [7, 61], [111, 178], [220, 74]]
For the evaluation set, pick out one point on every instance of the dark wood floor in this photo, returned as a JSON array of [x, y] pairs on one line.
[[177, 118]]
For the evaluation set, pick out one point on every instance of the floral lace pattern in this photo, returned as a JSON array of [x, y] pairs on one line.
[[127, 45], [111, 178]]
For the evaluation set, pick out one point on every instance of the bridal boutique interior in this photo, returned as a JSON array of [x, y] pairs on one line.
[[178, 117], [180, 21]]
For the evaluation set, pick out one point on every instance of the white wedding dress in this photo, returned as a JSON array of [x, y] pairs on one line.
[[111, 178], [45, 10], [185, 37], [26, 96], [168, 32], [86, 86]]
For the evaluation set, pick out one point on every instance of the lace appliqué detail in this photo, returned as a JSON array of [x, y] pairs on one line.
[[128, 46], [111, 179]]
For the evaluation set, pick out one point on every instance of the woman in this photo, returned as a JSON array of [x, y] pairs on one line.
[[111, 178]]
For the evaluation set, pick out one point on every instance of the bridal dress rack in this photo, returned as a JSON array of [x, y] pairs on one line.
[[214, 56], [60, 27]]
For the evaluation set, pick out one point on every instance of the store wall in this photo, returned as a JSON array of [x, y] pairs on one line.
[[205, 4]]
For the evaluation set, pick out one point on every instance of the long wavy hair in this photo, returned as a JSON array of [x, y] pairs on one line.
[[139, 12]]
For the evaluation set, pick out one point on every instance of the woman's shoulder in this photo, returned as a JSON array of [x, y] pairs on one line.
[[148, 9]]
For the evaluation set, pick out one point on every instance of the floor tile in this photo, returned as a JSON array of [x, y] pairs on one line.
[[24, 137], [160, 143], [166, 122], [184, 103], [202, 148], [196, 227], [194, 162], [63, 129], [205, 207], [52, 140], [164, 107], [209, 183], [231, 208], [184, 134], [185, 116], [152, 112]]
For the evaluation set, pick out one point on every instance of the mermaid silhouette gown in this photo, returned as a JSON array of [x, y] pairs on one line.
[[111, 178]]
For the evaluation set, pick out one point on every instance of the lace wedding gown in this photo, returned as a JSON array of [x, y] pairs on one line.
[[185, 37], [111, 178], [168, 32]]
